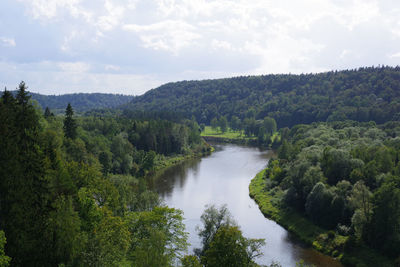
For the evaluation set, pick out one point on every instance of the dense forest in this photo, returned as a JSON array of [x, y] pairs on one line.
[[364, 94], [73, 189], [344, 177], [81, 101]]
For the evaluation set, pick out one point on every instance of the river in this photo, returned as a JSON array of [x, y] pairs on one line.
[[223, 178]]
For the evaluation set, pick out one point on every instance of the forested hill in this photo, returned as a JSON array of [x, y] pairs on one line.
[[364, 94], [81, 101]]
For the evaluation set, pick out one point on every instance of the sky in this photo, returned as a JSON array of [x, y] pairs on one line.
[[131, 46]]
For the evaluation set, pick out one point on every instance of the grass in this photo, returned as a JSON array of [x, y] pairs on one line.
[[230, 134], [317, 237]]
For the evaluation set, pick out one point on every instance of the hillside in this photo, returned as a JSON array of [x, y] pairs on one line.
[[364, 94], [81, 101]]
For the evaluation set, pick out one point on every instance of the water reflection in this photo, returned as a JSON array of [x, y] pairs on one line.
[[223, 178], [174, 178]]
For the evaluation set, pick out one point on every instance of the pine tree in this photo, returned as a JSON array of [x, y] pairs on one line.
[[47, 113], [23, 189], [69, 123], [22, 95]]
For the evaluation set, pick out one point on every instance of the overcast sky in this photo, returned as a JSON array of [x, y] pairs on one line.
[[131, 46]]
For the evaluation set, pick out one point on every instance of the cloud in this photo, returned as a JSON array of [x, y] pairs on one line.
[[112, 19], [396, 55], [169, 35], [53, 9], [167, 40], [74, 67], [7, 42]]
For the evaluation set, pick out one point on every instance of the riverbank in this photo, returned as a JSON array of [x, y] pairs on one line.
[[239, 138], [230, 136], [327, 242], [237, 141], [164, 162]]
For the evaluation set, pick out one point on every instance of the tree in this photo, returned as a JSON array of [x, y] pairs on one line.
[[48, 113], [383, 232], [269, 125], [361, 201], [235, 123], [24, 191], [4, 259], [212, 218], [69, 123], [214, 124], [109, 241], [190, 261], [158, 236], [227, 248], [318, 205], [336, 165], [63, 232], [223, 124], [22, 95]]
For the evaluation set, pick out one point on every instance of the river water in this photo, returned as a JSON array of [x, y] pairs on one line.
[[223, 178]]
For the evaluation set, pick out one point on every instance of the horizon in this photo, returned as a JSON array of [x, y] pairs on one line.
[[205, 79]]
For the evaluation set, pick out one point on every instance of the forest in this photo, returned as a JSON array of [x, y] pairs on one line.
[[344, 177], [81, 102], [364, 94]]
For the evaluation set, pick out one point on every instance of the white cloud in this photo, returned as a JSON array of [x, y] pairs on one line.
[[396, 55], [114, 14], [169, 35], [50, 9], [177, 39], [112, 68], [217, 44], [7, 42], [344, 53], [75, 67]]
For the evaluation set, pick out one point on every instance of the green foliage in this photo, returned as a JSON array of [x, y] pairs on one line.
[[190, 261], [212, 219], [108, 242], [223, 124], [69, 123], [342, 176], [383, 232], [229, 248], [214, 124], [269, 125], [80, 101], [222, 241], [364, 94], [68, 194], [24, 192], [317, 202], [158, 236], [4, 259]]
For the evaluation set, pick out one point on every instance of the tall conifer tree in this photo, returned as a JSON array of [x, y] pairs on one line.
[[69, 123]]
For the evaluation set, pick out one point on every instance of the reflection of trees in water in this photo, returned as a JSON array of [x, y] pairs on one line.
[[174, 176]]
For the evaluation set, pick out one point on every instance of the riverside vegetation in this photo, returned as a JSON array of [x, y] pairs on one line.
[[337, 187]]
